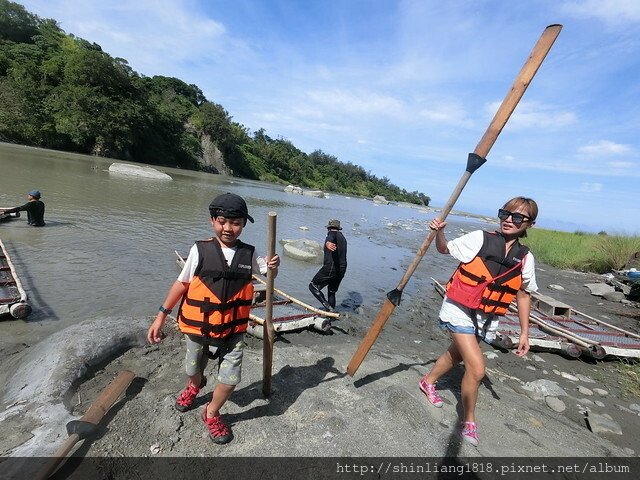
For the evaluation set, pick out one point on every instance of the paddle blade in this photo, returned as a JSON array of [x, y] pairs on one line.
[[383, 315], [395, 296], [94, 414]]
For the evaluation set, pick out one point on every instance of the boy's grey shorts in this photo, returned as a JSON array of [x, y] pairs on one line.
[[229, 354]]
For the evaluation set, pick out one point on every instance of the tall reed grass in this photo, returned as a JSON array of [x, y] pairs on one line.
[[630, 370], [581, 251]]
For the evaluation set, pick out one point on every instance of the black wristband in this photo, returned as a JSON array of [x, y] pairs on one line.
[[166, 311]]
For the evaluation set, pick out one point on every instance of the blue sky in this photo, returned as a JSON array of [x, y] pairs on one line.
[[407, 88]]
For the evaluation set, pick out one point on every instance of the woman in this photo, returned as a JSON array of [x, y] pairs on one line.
[[494, 270]]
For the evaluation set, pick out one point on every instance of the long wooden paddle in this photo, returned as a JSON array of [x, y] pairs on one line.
[[269, 333], [475, 161], [87, 425]]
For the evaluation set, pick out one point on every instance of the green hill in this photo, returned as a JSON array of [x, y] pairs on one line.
[[62, 92]]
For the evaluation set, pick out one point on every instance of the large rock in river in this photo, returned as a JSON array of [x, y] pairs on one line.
[[138, 171], [305, 250]]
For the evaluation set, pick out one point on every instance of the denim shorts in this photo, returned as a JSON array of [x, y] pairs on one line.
[[228, 351], [481, 333], [470, 329]]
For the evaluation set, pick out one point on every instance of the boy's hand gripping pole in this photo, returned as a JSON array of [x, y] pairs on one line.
[[475, 161]]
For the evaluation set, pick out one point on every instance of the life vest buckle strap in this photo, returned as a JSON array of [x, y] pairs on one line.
[[206, 306], [493, 303], [208, 328], [498, 288], [472, 276]]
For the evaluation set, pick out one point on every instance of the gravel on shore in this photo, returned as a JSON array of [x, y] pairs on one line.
[[540, 406]]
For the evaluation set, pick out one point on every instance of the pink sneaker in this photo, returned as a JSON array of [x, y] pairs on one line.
[[429, 389], [469, 432]]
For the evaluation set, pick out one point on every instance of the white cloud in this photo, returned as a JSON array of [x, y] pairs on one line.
[[340, 100], [410, 91], [587, 187], [621, 165], [447, 114], [535, 114], [154, 36], [609, 11], [604, 147]]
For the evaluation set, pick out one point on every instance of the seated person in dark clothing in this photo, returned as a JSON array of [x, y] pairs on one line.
[[34, 208]]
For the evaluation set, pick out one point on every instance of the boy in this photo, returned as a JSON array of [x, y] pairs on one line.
[[216, 291]]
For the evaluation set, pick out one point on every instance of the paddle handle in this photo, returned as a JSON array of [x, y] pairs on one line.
[[476, 159], [508, 105], [268, 330]]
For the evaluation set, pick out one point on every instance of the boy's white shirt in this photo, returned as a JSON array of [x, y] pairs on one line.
[[259, 264], [464, 249]]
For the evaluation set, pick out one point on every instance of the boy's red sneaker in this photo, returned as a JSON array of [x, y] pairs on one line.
[[185, 400], [219, 432]]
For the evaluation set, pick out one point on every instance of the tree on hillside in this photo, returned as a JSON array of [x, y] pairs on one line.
[[64, 92], [16, 24]]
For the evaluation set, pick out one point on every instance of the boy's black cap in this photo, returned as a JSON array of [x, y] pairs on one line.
[[229, 205]]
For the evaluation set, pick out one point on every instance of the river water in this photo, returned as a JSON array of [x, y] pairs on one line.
[[107, 249]]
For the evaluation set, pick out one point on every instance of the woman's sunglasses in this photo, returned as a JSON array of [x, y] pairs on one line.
[[517, 218]]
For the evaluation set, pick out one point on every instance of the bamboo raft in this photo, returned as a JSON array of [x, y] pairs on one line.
[[555, 326], [13, 298], [289, 313]]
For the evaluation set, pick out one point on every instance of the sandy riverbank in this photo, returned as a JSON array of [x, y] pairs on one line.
[[315, 410]]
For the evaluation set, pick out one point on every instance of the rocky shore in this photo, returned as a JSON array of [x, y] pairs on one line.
[[540, 406]]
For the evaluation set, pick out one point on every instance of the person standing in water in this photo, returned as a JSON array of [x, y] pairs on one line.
[[34, 208]]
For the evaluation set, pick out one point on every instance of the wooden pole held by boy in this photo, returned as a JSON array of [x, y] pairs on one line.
[[475, 161], [269, 333]]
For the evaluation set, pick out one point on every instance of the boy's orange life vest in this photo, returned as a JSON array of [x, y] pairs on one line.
[[219, 297], [490, 281]]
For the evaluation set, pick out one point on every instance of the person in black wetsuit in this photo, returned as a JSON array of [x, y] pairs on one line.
[[334, 266], [34, 208]]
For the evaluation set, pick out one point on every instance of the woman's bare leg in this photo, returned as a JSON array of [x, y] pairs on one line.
[[445, 362], [474, 370]]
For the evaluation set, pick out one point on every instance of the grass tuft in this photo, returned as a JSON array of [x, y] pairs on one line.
[[581, 251], [630, 372]]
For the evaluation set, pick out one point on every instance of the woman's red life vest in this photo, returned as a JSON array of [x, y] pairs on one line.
[[491, 280], [218, 300]]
